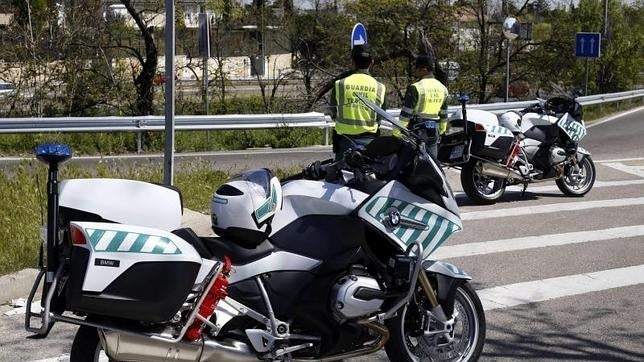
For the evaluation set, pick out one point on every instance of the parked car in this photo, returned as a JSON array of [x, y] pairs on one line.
[[6, 88]]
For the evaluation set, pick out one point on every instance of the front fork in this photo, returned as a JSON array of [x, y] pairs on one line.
[[441, 301]]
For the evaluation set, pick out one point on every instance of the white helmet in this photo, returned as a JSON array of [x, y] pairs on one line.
[[511, 120], [243, 208]]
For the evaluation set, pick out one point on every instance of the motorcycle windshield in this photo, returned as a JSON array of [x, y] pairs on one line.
[[426, 178]]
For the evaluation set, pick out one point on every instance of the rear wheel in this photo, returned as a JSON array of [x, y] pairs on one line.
[[578, 179], [87, 347], [463, 343], [481, 189]]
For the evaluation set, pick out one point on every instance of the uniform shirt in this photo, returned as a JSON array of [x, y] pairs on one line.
[[352, 117]]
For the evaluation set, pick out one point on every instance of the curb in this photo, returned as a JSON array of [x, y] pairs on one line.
[[16, 285]]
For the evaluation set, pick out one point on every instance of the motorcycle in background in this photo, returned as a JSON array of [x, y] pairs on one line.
[[537, 144], [317, 267]]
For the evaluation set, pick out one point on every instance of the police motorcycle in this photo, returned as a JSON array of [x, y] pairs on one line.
[[326, 265], [538, 144]]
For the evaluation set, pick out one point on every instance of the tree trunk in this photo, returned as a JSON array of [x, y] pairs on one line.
[[144, 81]]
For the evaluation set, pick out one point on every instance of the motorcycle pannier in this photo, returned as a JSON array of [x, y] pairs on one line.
[[454, 147], [129, 272]]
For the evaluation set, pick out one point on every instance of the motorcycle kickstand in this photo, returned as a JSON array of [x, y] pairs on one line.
[[525, 187]]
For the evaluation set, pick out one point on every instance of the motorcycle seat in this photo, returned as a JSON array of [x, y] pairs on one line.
[[218, 247]]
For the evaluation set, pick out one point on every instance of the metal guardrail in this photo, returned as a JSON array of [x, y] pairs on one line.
[[236, 122]]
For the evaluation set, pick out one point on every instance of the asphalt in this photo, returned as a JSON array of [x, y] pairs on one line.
[[605, 325]]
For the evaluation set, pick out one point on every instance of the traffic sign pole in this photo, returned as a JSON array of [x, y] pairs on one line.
[[586, 79]]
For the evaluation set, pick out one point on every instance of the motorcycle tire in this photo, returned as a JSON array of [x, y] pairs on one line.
[[572, 188], [86, 346], [400, 346], [470, 177]]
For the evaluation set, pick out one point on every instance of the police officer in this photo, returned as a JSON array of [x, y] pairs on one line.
[[426, 102], [355, 124]]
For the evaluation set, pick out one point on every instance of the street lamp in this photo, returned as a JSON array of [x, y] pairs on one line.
[[511, 30]]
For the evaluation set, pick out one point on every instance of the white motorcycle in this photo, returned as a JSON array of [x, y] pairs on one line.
[[306, 269], [538, 144]]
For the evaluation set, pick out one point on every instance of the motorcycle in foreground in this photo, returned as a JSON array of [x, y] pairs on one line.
[[307, 269], [538, 144]]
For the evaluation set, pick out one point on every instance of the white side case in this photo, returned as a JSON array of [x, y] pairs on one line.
[[124, 201], [128, 245]]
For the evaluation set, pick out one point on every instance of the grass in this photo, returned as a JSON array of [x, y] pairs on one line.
[[597, 111], [23, 201]]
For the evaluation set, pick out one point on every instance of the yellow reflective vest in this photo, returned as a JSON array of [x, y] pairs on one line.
[[352, 116], [428, 103]]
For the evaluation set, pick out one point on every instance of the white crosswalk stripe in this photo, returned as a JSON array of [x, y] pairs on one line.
[[540, 241], [550, 208], [545, 289], [633, 170]]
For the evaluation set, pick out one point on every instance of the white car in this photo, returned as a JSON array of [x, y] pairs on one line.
[[6, 88]]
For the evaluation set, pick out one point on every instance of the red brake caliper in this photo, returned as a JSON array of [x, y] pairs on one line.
[[216, 293]]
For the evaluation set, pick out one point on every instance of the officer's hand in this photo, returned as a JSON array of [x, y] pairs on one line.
[[442, 127]]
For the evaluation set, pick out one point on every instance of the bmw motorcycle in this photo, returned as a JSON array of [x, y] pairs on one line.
[[537, 144], [329, 264]]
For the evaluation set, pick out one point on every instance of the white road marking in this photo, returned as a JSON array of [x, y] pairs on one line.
[[633, 170], [616, 116], [621, 160], [545, 289], [62, 358], [552, 188], [532, 242], [549, 208]]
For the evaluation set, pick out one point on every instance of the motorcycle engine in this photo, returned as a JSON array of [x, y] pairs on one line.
[[355, 296], [557, 155]]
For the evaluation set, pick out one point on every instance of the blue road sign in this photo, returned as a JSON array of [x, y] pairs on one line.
[[587, 45], [358, 35]]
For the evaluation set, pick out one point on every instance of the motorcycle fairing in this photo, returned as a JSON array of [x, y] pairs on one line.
[[124, 201], [306, 197], [573, 128], [276, 261], [532, 119], [420, 220]]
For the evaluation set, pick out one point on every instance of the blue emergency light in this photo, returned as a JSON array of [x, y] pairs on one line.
[[53, 153]]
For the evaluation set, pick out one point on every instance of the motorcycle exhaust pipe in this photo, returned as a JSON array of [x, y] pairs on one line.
[[494, 170], [134, 347]]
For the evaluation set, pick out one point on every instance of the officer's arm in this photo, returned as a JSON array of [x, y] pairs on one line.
[[442, 125], [411, 97], [334, 103]]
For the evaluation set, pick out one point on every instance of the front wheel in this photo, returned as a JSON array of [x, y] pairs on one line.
[[479, 188], [87, 347], [577, 179], [464, 343]]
